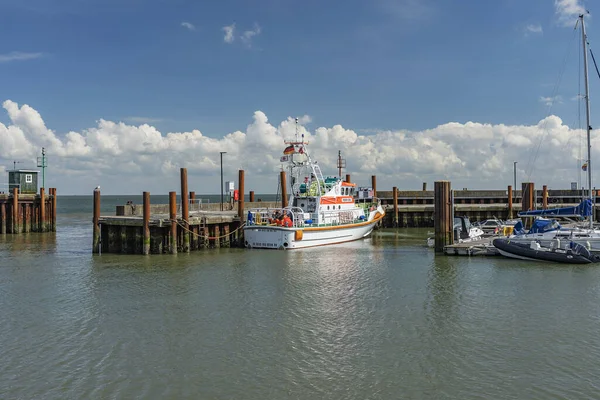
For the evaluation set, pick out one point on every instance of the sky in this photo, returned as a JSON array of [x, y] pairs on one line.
[[122, 93]]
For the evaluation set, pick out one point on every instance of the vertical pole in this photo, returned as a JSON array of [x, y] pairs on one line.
[[515, 176], [545, 197], [588, 125], [241, 194], [395, 197], [283, 189], [96, 219], [173, 217], [424, 186], [2, 218], [443, 220], [42, 223], [221, 191], [15, 210], [53, 209], [146, 224], [192, 200], [185, 210], [348, 178], [252, 196], [510, 201], [374, 185]]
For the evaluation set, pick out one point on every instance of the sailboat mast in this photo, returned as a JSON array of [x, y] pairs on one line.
[[587, 115]]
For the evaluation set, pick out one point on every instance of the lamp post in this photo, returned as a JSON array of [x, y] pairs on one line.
[[222, 152], [515, 176]]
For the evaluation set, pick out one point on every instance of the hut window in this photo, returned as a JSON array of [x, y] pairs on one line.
[[28, 178]]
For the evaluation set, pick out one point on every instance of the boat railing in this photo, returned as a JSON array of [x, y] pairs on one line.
[[268, 216]]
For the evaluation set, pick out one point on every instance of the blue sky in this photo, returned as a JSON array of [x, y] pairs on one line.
[[380, 64], [370, 66]]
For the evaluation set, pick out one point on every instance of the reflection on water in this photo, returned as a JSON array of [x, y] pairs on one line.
[[377, 318]]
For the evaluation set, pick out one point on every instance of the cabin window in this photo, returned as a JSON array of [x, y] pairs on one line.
[[28, 178], [328, 207]]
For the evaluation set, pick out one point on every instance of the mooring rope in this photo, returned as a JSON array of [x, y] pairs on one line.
[[207, 237]]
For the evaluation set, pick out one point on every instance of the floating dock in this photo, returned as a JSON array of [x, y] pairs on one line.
[[481, 247]]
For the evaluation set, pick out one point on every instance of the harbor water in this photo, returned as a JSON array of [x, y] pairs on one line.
[[381, 318]]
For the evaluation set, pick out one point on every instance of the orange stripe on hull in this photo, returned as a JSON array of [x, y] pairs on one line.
[[331, 228], [337, 200]]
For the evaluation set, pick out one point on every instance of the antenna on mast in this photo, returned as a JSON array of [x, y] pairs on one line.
[[341, 163], [296, 129]]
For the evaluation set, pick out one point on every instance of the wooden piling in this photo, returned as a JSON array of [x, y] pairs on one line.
[[510, 201], [241, 194], [395, 197], [96, 224], [252, 196], [3, 218], [374, 184], [185, 210], [146, 224], [283, 189], [443, 222], [347, 178], [545, 197], [15, 211], [173, 217]]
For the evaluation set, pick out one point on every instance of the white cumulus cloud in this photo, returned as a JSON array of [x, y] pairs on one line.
[[188, 25], [125, 158], [249, 34], [534, 28], [229, 33], [567, 11]]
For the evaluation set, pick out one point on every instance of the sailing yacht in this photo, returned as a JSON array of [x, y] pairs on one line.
[[546, 230]]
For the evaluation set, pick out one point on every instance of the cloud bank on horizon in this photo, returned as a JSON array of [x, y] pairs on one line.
[[128, 159]]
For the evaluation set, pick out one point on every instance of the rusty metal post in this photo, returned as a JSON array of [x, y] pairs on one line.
[[283, 189], [241, 196], [374, 185], [510, 201], [146, 224], [395, 197], [96, 223], [2, 218], [185, 210], [192, 201], [347, 178], [442, 215], [528, 193], [545, 197], [252, 196], [53, 209], [173, 217], [15, 211], [424, 186]]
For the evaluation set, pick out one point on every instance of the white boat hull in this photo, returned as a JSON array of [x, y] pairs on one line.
[[277, 237]]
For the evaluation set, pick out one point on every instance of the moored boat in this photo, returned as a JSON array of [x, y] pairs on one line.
[[321, 211], [570, 253]]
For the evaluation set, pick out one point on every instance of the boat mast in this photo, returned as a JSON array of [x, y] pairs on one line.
[[587, 116]]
